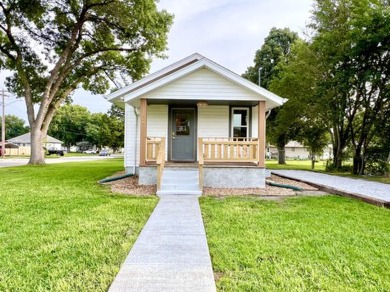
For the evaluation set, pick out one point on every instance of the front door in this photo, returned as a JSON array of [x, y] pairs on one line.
[[183, 134]]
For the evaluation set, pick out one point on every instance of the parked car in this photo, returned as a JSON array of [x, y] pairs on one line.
[[90, 151], [52, 150], [104, 153]]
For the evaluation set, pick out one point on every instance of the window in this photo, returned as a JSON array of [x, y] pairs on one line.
[[240, 122]]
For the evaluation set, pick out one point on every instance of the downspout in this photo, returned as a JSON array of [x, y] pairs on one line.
[[136, 112], [260, 68]]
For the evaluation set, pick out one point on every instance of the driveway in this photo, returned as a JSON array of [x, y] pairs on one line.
[[23, 161], [370, 191]]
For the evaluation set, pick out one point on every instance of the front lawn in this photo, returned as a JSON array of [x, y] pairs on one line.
[[296, 165], [61, 231], [326, 243]]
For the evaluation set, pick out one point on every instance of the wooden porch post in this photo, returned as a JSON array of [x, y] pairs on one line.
[[261, 133], [143, 131]]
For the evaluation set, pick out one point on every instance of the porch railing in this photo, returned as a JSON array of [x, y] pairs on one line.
[[153, 145], [200, 164], [229, 149], [160, 163], [155, 151]]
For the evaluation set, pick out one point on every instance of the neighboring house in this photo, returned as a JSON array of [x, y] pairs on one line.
[[9, 147], [202, 114], [24, 143], [295, 150]]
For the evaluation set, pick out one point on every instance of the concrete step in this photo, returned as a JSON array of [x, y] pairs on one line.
[[173, 192], [180, 182], [180, 174], [189, 187]]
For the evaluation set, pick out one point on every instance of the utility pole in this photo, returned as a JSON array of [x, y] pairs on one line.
[[3, 124]]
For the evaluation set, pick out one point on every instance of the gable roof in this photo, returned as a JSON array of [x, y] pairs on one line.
[[26, 138], [183, 68]]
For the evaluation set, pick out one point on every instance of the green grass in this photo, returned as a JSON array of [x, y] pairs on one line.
[[299, 244], [295, 165], [61, 231]]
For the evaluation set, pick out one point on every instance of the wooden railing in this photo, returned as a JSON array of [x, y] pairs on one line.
[[153, 145], [160, 163], [200, 163], [228, 149]]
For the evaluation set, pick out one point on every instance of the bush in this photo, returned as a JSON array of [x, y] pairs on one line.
[[376, 161], [330, 167]]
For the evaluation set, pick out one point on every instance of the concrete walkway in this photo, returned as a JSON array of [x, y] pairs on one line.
[[369, 191], [171, 253]]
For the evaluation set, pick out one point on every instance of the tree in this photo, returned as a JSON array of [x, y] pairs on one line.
[[54, 47], [14, 127], [105, 130], [356, 83], [276, 49], [298, 80], [69, 124]]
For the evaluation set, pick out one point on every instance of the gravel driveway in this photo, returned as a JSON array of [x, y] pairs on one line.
[[364, 188]]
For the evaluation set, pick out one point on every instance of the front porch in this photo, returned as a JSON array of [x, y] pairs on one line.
[[171, 115], [221, 163]]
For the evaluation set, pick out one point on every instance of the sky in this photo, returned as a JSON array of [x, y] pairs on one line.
[[226, 31]]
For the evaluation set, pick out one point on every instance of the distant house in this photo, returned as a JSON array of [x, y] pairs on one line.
[[24, 143], [295, 150]]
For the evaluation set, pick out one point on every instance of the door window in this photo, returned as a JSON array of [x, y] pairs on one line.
[[183, 124]]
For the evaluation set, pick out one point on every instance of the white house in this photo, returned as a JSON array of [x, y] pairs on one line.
[[196, 114], [24, 143], [295, 150]]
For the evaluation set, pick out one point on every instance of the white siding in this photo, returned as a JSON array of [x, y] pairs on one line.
[[255, 124], [158, 122], [202, 84], [213, 121], [130, 136]]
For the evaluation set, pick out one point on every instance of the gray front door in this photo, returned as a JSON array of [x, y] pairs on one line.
[[183, 134]]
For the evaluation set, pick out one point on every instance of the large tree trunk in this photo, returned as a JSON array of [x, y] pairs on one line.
[[37, 152], [337, 157], [281, 156], [313, 160], [358, 162]]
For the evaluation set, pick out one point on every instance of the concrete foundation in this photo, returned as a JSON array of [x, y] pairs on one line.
[[147, 175], [234, 177], [217, 177], [130, 169]]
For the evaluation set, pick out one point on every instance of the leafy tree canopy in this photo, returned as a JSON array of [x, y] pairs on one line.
[[275, 49], [14, 127], [54, 47]]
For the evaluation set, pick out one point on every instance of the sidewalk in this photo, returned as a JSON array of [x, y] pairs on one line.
[[369, 191], [171, 253]]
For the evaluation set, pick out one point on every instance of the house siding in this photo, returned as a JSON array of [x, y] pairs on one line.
[[202, 84], [213, 121], [130, 136], [158, 123]]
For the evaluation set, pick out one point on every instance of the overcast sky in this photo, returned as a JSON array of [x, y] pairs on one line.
[[226, 31]]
